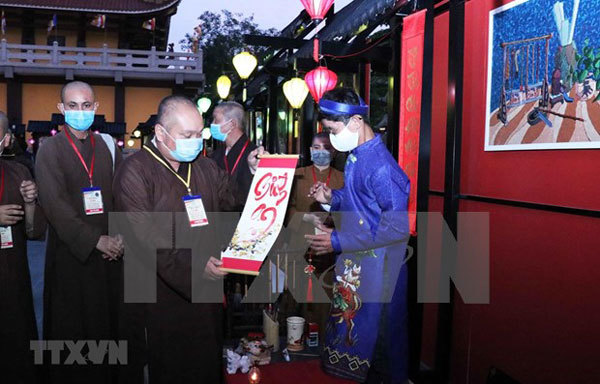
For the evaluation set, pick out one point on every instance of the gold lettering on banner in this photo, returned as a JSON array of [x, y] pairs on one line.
[[411, 145], [412, 124], [410, 103], [412, 57], [410, 170], [413, 82]]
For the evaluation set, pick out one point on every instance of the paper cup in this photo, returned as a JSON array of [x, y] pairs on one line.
[[295, 333]]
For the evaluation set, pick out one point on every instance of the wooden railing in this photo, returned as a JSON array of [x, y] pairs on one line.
[[20, 56]]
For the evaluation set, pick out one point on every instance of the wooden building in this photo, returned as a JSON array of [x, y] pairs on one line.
[[118, 46]]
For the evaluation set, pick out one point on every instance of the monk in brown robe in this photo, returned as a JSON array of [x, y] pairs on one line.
[[229, 127], [74, 170], [20, 218], [184, 337]]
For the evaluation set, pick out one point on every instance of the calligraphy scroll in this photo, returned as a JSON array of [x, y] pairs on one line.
[[410, 106], [263, 215]]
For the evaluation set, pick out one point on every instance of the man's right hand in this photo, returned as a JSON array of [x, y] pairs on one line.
[[11, 214], [253, 158], [110, 246], [321, 193]]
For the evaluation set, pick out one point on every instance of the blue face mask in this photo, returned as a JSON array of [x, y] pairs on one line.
[[215, 131], [79, 120], [320, 157], [186, 150]]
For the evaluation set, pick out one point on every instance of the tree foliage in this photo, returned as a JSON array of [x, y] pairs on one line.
[[221, 39]]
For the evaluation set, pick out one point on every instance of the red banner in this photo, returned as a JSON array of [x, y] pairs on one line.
[[410, 105]]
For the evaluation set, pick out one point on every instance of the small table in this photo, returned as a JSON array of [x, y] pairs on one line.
[[294, 372]]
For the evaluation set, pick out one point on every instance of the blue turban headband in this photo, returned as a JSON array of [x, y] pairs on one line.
[[331, 107]]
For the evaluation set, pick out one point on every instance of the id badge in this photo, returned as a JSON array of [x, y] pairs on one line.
[[195, 211], [92, 201], [6, 239]]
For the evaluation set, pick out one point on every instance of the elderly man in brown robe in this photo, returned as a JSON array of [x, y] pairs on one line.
[[184, 336], [20, 218], [74, 170]]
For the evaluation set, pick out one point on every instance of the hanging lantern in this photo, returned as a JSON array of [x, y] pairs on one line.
[[223, 86], [130, 143], [319, 81], [137, 133], [244, 64], [295, 91], [206, 135], [120, 143], [317, 9], [204, 104]]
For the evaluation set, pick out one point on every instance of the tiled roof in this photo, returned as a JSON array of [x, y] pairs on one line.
[[98, 6]]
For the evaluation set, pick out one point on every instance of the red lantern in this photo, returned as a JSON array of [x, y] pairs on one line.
[[319, 81], [317, 9]]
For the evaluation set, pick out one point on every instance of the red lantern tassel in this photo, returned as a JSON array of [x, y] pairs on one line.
[[316, 50], [309, 292]]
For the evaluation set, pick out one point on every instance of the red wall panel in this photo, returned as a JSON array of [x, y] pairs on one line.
[[540, 325], [556, 177], [439, 96]]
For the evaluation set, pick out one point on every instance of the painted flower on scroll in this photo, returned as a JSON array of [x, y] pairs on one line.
[[249, 247], [346, 301]]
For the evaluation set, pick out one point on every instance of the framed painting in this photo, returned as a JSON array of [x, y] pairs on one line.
[[543, 76]]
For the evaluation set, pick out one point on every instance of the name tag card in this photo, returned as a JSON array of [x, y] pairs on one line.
[[92, 201], [6, 239], [195, 211]]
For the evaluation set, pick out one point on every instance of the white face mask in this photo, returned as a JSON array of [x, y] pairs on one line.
[[346, 140]]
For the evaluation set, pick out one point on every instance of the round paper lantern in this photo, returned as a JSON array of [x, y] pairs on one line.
[[317, 9], [244, 64], [223, 86], [295, 91], [319, 81], [130, 143], [204, 104], [206, 134], [137, 133]]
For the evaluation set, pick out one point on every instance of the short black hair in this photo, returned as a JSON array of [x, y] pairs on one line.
[[167, 106], [345, 96], [321, 136]]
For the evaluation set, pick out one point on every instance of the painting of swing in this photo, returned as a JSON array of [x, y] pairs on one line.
[[543, 78]]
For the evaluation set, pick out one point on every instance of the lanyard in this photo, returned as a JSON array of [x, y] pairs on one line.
[[315, 176], [238, 159], [2, 184], [189, 176], [90, 170]]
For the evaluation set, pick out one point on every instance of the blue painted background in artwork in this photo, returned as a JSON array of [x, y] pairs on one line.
[[534, 18]]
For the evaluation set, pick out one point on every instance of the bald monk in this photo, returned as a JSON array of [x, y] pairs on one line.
[[74, 170], [20, 218], [184, 339]]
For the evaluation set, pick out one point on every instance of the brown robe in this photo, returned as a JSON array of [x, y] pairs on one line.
[[17, 318], [184, 339], [241, 175], [81, 289], [300, 204]]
